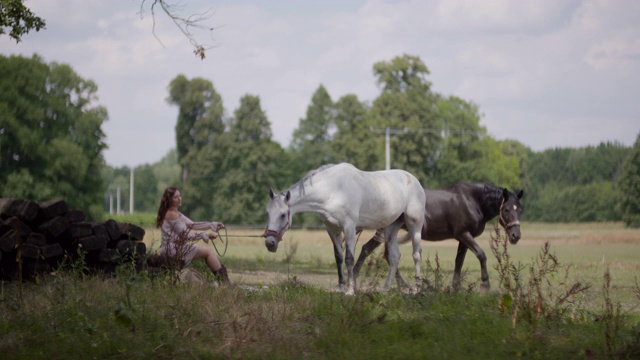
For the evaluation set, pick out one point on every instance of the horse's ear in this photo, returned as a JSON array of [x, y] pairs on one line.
[[287, 197], [272, 193], [505, 194], [520, 194]]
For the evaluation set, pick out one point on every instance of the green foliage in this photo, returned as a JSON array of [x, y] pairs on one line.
[[146, 194], [596, 201], [230, 177], [51, 140], [629, 183], [225, 171], [574, 184], [167, 171], [310, 143], [14, 15], [352, 141], [200, 114], [139, 218], [407, 102]]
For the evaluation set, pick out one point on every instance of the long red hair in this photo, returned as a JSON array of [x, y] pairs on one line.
[[165, 204]]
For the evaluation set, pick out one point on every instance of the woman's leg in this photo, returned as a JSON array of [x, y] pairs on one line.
[[206, 253]]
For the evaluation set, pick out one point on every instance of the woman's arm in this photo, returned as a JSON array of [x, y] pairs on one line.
[[182, 228], [202, 225]]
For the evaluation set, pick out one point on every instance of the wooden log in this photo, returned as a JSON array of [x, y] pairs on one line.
[[131, 232], [30, 268], [9, 240], [26, 210], [113, 229], [75, 216], [18, 225], [80, 230], [29, 251], [53, 227], [109, 255], [5, 204], [92, 243], [51, 209], [132, 248], [36, 239], [52, 251]]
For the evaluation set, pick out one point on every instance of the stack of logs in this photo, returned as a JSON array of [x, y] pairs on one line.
[[36, 238]]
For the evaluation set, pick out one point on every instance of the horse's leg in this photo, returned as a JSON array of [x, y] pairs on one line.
[[415, 233], [392, 250], [350, 246], [336, 238], [462, 251], [399, 280], [471, 243], [367, 249]]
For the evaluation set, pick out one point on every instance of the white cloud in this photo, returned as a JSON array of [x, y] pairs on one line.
[[547, 73]]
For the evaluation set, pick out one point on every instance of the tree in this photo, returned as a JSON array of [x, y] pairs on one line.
[[145, 184], [352, 141], [629, 186], [235, 171], [310, 141], [458, 153], [200, 116], [17, 17], [407, 102], [51, 140]]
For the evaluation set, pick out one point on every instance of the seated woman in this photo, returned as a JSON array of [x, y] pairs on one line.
[[178, 240]]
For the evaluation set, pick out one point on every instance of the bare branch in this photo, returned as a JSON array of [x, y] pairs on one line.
[[194, 22]]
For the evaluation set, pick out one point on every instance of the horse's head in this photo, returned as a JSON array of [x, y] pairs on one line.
[[509, 217], [278, 219]]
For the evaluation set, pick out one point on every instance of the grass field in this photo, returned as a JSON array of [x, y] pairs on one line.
[[280, 308], [589, 248]]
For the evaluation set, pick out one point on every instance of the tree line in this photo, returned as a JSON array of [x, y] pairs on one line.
[[51, 145]]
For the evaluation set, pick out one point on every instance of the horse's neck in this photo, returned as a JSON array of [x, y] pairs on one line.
[[304, 200], [491, 200]]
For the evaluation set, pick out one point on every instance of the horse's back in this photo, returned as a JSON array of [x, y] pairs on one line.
[[379, 197], [452, 211]]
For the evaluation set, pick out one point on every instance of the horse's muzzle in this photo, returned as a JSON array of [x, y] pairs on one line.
[[271, 243], [514, 234]]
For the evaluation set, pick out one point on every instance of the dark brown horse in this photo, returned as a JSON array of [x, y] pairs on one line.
[[461, 212]]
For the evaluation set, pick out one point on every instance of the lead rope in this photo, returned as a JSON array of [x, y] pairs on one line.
[[225, 242]]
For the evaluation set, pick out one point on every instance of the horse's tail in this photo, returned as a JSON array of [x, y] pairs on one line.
[[405, 239], [379, 237]]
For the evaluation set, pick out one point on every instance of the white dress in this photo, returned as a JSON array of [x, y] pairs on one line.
[[177, 237]]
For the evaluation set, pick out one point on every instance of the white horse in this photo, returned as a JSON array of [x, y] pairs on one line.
[[349, 200]]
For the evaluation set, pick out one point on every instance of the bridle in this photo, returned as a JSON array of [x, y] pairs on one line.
[[280, 233], [503, 222]]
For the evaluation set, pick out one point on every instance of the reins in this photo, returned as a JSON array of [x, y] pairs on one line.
[[224, 238]]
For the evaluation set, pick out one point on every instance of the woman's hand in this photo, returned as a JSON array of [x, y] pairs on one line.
[[212, 236], [216, 226]]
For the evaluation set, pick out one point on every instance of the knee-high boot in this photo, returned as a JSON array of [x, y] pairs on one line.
[[221, 275]]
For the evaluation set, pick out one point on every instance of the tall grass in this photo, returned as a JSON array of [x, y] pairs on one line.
[[136, 315]]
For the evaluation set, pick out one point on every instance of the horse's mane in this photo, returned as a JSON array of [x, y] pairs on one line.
[[308, 178], [491, 199]]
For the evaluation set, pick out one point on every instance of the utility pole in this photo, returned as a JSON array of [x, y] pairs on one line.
[[118, 200], [131, 192], [387, 140]]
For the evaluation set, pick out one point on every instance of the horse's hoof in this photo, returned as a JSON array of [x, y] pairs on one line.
[[350, 292]]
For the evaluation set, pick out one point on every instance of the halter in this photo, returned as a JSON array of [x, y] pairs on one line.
[[504, 224], [280, 233]]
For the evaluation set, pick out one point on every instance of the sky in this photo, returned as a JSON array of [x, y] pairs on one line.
[[548, 73]]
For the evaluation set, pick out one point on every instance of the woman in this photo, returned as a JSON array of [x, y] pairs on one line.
[[178, 237]]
